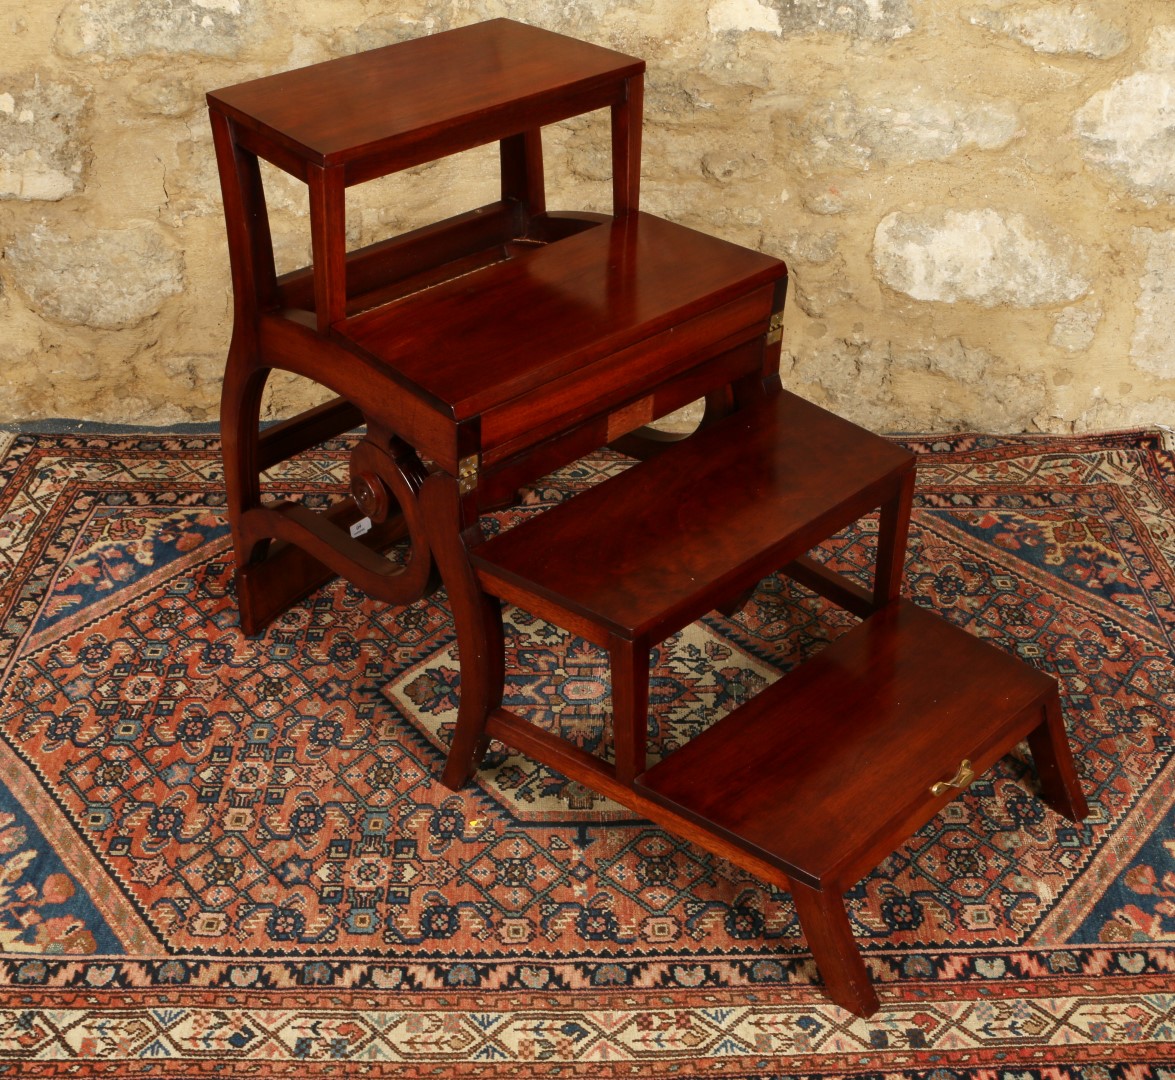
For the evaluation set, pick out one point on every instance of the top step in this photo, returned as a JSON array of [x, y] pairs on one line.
[[655, 548], [419, 100]]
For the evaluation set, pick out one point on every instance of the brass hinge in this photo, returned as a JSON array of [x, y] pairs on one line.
[[775, 328], [467, 474]]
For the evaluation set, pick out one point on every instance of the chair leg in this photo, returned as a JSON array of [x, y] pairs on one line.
[[826, 926], [1059, 785], [630, 706], [730, 608], [893, 529], [450, 521], [240, 413]]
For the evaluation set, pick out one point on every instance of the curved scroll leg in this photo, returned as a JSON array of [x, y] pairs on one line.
[[386, 477], [240, 415], [313, 547], [450, 519]]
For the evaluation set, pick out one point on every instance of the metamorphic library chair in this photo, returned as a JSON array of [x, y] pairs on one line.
[[485, 350]]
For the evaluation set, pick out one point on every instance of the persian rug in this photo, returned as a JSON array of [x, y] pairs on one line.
[[224, 856]]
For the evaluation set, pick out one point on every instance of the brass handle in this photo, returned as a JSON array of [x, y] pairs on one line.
[[960, 780]]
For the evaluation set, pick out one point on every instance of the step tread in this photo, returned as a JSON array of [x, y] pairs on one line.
[[838, 756], [743, 497], [482, 340]]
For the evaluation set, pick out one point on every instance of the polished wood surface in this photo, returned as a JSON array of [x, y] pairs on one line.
[[658, 546], [472, 344], [674, 331], [419, 100], [830, 768], [821, 776]]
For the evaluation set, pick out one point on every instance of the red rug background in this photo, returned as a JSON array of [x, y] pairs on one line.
[[231, 856]]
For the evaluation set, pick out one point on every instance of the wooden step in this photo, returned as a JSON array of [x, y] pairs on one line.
[[653, 549], [611, 309], [826, 772]]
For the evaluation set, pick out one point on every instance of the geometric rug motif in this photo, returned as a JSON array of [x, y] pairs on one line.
[[236, 851]]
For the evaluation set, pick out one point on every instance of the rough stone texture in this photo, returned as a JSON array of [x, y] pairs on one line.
[[816, 248], [948, 387], [386, 29], [41, 152], [167, 96], [903, 123], [1076, 326], [102, 30], [1057, 29], [974, 199], [21, 358], [878, 20], [742, 15], [978, 256], [1128, 130], [1159, 54], [109, 280], [1153, 345]]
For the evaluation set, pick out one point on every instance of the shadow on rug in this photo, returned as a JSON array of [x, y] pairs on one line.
[[230, 856]]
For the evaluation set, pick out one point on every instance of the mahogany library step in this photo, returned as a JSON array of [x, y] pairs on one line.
[[831, 768], [649, 551], [532, 346], [633, 560]]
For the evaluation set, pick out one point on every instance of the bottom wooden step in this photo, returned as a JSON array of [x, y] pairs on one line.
[[826, 772], [831, 768]]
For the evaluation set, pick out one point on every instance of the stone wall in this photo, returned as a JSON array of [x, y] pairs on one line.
[[975, 199]]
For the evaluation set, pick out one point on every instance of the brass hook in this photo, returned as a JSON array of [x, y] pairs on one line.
[[961, 779]]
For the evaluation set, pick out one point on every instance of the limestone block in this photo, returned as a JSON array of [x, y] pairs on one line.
[[192, 185], [1119, 413], [168, 96], [1128, 130], [1081, 29], [41, 154], [387, 29], [873, 20], [941, 386], [701, 97], [21, 344], [107, 279], [1076, 326], [1153, 345], [1159, 54], [856, 378], [805, 246], [982, 257], [742, 15], [826, 201], [102, 30], [670, 157], [588, 19], [162, 380], [904, 122], [817, 297], [735, 164], [577, 156]]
